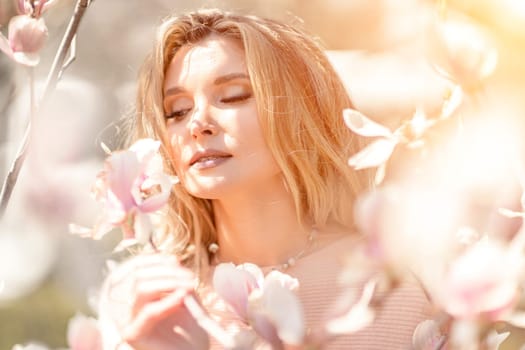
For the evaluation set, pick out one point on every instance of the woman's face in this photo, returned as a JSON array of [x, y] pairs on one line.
[[212, 121]]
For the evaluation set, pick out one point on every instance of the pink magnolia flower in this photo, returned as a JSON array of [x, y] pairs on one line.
[[462, 51], [132, 187], [27, 32], [379, 151], [235, 284], [408, 225], [483, 283], [268, 303], [27, 36], [83, 333], [410, 133]]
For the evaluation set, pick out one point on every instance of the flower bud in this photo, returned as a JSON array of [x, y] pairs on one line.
[[27, 36]]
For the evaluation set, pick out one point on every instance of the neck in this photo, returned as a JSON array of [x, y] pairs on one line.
[[261, 228]]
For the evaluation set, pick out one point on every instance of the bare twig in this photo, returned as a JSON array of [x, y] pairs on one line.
[[71, 58], [56, 69]]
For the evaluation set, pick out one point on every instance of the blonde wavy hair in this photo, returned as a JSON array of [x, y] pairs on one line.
[[300, 100]]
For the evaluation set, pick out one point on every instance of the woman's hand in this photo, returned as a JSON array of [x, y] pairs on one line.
[[144, 299]]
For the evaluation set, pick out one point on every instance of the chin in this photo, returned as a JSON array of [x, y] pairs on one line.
[[209, 189]]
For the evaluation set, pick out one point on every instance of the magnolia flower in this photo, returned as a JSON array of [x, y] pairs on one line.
[[462, 52], [83, 333], [268, 303], [132, 187], [27, 36], [407, 225], [410, 133], [27, 32], [483, 283]]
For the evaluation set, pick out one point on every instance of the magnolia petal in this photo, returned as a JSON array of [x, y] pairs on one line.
[[482, 281], [283, 310], [358, 317], [282, 279], [83, 333], [123, 170], [234, 285], [373, 155], [125, 244], [154, 165], [364, 126], [143, 228], [452, 103], [27, 59], [489, 63], [157, 201], [23, 7], [255, 271], [495, 339], [102, 227], [41, 7], [427, 336], [286, 312], [380, 174], [114, 209], [79, 230], [145, 150], [27, 34], [261, 322]]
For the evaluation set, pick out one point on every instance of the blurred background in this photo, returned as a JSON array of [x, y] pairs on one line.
[[378, 46]]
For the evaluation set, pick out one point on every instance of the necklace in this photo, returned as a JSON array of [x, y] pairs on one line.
[[213, 248]]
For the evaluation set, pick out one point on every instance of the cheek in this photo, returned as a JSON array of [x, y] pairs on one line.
[[176, 142]]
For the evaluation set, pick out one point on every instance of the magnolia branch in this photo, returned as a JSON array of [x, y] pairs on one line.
[[52, 79]]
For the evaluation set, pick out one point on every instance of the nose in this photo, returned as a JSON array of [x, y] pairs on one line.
[[202, 123]]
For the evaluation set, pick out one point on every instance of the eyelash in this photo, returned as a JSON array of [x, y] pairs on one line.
[[180, 114], [237, 98]]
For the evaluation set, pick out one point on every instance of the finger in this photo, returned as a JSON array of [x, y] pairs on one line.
[[152, 314], [155, 290]]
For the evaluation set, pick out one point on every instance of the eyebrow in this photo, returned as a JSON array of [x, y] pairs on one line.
[[220, 80]]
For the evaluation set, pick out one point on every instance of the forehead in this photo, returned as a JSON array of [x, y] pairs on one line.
[[204, 61]]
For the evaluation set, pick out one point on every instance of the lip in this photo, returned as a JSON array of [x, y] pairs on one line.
[[209, 153]]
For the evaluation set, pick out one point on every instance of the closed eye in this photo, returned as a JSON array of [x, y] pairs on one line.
[[178, 115], [236, 98]]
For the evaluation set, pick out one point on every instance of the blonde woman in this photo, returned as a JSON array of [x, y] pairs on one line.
[[249, 113]]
